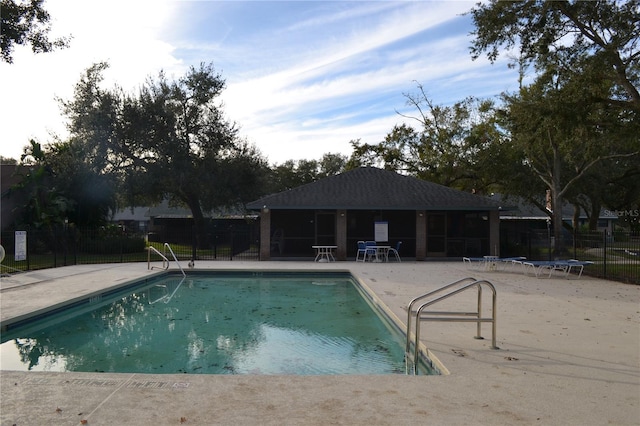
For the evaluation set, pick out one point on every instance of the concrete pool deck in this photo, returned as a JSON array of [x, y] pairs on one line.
[[569, 355]]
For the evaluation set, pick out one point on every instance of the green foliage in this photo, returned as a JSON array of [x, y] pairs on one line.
[[579, 116], [26, 23], [294, 173], [44, 206], [60, 186], [170, 140], [602, 34], [8, 160], [332, 164], [564, 136], [114, 244], [455, 146]]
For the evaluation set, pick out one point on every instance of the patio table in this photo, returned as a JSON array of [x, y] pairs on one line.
[[324, 253], [382, 253]]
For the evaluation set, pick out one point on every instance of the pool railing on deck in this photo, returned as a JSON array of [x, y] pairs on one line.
[[462, 285]]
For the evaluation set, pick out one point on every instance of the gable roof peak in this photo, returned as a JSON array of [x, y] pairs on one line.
[[372, 188]]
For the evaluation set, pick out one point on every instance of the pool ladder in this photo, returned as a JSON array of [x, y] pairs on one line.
[[419, 314], [165, 260]]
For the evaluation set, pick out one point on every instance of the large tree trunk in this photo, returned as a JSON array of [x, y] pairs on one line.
[[199, 226], [557, 224], [594, 215], [557, 204], [575, 222]]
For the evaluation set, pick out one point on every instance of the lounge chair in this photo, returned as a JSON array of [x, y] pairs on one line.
[[564, 266], [492, 263]]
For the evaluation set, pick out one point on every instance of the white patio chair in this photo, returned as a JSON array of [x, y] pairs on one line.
[[362, 249], [395, 251]]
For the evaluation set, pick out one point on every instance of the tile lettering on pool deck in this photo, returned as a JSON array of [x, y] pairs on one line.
[[108, 383]]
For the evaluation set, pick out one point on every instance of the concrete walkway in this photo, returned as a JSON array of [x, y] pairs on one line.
[[569, 355]]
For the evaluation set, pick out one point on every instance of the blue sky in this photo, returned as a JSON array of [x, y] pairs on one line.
[[303, 78]]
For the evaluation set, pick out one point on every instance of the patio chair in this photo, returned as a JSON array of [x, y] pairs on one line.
[[395, 251], [362, 250], [370, 250], [277, 241]]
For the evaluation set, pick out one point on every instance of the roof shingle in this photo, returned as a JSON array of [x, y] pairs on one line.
[[368, 188]]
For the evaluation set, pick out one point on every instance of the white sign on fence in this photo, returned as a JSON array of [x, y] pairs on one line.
[[21, 245], [381, 231]]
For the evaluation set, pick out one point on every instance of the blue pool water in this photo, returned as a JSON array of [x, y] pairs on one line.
[[217, 324]]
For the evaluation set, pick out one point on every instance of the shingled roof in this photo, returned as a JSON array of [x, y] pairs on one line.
[[370, 188]]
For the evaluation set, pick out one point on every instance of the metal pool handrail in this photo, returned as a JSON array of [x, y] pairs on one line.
[[424, 296], [165, 261], [166, 245], [454, 316]]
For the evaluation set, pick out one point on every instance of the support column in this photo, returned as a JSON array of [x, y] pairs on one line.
[[421, 235], [341, 234], [494, 233], [265, 234]]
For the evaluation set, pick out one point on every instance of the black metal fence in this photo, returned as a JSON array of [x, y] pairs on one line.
[[63, 247], [615, 256]]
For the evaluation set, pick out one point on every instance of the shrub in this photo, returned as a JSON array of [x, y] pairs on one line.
[[115, 245]]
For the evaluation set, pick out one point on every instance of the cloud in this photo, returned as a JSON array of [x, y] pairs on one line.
[[303, 78], [349, 84]]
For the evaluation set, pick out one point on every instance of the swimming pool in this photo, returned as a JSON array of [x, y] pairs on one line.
[[218, 323]]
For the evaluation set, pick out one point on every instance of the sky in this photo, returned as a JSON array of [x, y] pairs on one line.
[[302, 78]]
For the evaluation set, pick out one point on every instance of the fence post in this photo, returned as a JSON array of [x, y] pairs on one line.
[[55, 248], [194, 242], [604, 254], [549, 239], [231, 241], [65, 238], [29, 235], [74, 245]]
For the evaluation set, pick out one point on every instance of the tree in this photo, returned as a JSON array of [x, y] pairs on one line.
[[331, 164], [445, 147], [294, 173], [613, 183], [581, 111], [92, 191], [8, 160], [564, 137], [603, 34], [26, 23], [169, 140], [45, 206], [60, 186]]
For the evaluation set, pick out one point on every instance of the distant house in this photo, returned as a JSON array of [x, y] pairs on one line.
[[165, 223], [432, 221], [133, 219], [519, 210], [523, 224]]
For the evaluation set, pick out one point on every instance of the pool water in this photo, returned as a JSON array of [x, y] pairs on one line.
[[215, 325]]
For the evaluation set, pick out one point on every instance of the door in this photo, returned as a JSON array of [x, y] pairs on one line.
[[325, 228], [436, 234]]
